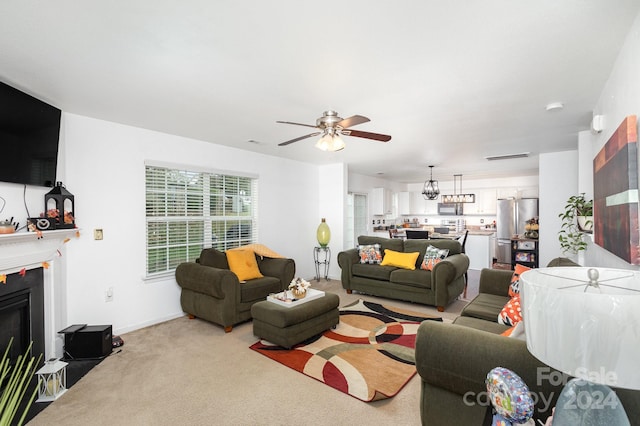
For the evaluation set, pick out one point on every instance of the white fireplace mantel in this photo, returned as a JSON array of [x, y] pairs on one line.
[[28, 250]]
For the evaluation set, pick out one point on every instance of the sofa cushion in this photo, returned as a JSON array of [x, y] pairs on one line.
[[453, 246], [376, 272], [370, 253], [214, 258], [400, 259], [259, 289], [485, 306], [243, 263], [385, 243], [416, 278], [480, 324]]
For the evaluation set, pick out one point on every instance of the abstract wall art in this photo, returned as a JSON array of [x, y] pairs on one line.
[[615, 193]]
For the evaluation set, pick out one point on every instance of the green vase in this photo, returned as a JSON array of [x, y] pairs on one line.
[[323, 233]]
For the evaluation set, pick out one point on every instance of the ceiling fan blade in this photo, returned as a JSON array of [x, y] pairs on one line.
[[296, 124], [367, 135], [299, 139], [352, 121]]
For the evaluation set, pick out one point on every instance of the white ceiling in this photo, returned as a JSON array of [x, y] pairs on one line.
[[451, 81]]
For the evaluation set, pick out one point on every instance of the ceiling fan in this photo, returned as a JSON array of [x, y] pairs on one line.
[[331, 126]]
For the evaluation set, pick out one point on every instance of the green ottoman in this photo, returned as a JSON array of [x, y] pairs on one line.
[[287, 326]]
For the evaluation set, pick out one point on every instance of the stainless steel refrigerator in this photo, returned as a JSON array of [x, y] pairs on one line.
[[511, 217]]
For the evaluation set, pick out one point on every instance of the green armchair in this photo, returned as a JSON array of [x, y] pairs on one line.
[[212, 292]]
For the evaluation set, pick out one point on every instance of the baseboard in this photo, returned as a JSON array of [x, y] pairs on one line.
[[130, 328]]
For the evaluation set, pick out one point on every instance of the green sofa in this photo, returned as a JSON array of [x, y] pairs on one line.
[[453, 361], [437, 288], [209, 290]]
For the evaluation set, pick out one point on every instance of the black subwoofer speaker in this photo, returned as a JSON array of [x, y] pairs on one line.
[[87, 341]]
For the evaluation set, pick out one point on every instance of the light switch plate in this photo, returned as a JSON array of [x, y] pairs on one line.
[[97, 234]]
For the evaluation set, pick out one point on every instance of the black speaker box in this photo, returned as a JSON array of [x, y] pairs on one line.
[[87, 341]]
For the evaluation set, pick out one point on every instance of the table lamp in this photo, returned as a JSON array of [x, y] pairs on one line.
[[584, 322]]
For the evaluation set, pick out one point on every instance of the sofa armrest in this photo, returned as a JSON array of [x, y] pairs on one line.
[[444, 273], [346, 259], [281, 268], [206, 279], [495, 281], [456, 359]]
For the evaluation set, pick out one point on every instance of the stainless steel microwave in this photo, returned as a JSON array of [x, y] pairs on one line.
[[450, 209]]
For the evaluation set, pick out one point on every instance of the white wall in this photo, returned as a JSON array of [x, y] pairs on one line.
[[104, 169], [558, 181], [332, 191]]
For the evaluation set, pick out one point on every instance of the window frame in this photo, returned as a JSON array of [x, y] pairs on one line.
[[188, 208]]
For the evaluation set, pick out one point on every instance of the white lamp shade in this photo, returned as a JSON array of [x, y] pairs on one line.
[[592, 334]]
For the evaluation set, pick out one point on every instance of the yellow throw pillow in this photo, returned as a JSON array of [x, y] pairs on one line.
[[243, 263], [399, 259]]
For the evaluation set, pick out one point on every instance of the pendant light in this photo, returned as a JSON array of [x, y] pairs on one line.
[[458, 198], [431, 190]]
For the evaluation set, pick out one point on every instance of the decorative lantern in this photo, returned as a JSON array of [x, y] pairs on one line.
[[52, 381], [58, 205]]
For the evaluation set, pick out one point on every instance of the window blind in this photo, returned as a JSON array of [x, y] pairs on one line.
[[187, 211]]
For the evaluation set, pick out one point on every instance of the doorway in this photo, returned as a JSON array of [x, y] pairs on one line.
[[356, 218]]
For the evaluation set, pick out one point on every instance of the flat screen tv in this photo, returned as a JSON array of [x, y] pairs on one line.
[[29, 135]]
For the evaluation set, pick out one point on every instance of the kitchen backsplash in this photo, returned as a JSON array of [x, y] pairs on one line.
[[419, 221]]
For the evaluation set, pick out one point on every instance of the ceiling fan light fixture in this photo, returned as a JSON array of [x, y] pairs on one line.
[[430, 190], [330, 141], [324, 142]]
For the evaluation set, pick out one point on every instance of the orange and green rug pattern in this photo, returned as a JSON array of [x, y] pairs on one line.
[[369, 355]]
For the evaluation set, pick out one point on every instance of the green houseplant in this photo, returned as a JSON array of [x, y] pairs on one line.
[[577, 219], [14, 381]]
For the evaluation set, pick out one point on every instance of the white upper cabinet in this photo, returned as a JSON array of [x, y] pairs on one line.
[[381, 202], [404, 203], [485, 202]]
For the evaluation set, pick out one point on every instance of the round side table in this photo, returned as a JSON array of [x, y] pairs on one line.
[[322, 256]]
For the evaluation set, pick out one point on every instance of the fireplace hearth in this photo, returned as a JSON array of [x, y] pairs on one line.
[[22, 313]]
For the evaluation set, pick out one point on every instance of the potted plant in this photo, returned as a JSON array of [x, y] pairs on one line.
[[577, 219], [14, 381]]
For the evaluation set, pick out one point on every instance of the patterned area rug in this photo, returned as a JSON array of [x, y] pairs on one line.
[[369, 355]]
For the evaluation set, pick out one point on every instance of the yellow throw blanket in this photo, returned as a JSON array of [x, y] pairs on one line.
[[259, 249]]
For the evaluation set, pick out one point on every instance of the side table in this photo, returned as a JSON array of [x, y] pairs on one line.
[[322, 256]]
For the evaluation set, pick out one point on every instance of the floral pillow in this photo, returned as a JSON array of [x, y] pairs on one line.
[[514, 287], [370, 253], [432, 257], [511, 314]]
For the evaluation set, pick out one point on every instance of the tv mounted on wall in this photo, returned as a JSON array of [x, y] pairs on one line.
[[29, 136]]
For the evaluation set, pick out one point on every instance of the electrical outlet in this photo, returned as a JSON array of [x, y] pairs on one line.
[[108, 295], [97, 234]]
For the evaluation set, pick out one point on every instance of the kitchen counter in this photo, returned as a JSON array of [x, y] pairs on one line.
[[401, 231]]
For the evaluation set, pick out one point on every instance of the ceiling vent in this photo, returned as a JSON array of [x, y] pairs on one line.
[[507, 156]]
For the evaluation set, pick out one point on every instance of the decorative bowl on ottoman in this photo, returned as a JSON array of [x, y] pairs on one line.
[[299, 287]]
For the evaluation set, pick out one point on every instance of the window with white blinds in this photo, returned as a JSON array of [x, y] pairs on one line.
[[187, 211]]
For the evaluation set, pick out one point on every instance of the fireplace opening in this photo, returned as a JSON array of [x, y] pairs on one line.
[[22, 313]]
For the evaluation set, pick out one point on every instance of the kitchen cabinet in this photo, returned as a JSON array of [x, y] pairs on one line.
[[381, 202], [404, 203], [479, 250], [430, 206], [485, 203], [418, 203]]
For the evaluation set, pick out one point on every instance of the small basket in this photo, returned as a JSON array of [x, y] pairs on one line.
[[298, 294]]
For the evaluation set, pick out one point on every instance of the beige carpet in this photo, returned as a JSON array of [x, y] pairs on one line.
[[189, 372]]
